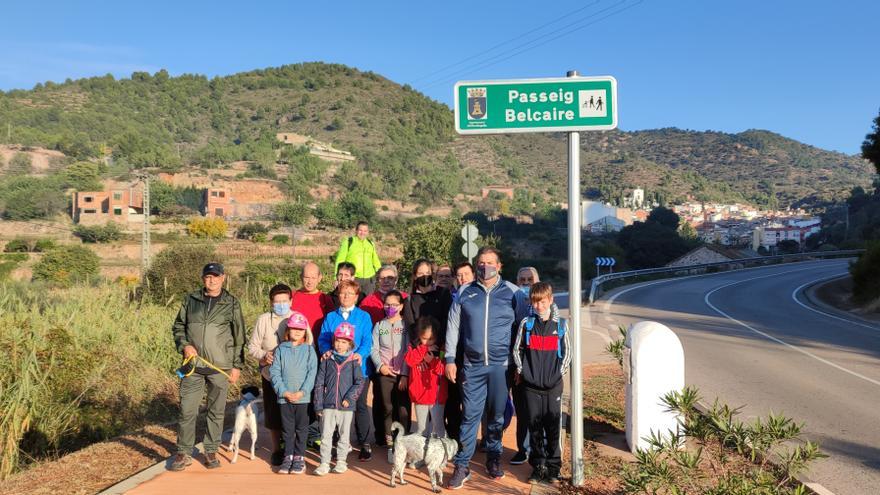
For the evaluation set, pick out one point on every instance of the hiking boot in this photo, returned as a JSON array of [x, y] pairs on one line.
[[340, 467], [322, 469], [459, 476], [277, 457], [286, 465], [538, 475], [211, 460], [493, 469], [180, 462], [298, 466], [366, 453], [552, 475], [519, 458]]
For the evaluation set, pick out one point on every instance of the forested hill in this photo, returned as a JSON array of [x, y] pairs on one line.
[[405, 143]]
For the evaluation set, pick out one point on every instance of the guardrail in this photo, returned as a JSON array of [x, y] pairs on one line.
[[729, 265]]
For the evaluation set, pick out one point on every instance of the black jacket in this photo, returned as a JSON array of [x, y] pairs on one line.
[[541, 355], [435, 303]]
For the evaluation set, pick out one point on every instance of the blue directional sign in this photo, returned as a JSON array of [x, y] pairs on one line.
[[605, 261]]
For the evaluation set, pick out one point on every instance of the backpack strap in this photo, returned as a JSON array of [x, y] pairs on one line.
[[351, 239], [560, 330], [530, 323]]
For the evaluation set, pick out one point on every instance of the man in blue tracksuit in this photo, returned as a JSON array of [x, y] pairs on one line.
[[481, 322]]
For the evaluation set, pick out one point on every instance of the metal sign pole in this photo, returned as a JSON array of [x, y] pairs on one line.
[[574, 298]]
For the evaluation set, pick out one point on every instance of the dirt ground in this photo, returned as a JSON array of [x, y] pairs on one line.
[[838, 294]]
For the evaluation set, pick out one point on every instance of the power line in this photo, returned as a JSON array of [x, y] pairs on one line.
[[560, 35], [511, 40]]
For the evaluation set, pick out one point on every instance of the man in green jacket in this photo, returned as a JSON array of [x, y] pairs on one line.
[[209, 329], [360, 251]]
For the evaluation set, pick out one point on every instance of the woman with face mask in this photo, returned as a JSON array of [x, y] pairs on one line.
[[426, 299], [270, 330]]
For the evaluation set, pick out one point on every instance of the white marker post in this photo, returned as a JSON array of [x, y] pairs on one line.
[[565, 104]]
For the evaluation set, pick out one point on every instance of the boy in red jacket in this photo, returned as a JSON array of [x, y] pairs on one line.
[[427, 386]]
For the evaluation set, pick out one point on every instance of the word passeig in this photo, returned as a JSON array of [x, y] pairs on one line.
[[530, 115]]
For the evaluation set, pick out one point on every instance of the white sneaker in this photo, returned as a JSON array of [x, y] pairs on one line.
[[340, 467], [322, 469]]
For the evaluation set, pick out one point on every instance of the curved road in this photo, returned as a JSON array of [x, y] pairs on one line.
[[750, 338]]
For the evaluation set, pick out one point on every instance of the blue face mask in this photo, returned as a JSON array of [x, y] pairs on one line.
[[281, 309], [525, 290]]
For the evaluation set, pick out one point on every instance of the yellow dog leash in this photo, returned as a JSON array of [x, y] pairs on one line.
[[185, 370]]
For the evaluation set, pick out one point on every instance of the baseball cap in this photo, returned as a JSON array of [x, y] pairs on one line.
[[213, 269], [345, 331], [297, 320]]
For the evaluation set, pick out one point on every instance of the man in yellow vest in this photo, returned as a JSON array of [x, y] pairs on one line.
[[360, 251]]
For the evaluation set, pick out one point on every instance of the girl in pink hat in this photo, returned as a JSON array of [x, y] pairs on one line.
[[293, 377]]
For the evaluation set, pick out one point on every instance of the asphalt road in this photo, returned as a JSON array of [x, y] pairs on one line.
[[751, 338]]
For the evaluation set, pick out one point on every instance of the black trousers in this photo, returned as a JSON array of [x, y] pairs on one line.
[[544, 412], [453, 410], [522, 425], [295, 418], [389, 404], [363, 418]]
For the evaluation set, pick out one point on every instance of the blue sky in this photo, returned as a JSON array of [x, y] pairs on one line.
[[805, 69]]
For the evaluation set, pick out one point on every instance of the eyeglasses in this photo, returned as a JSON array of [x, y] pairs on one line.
[[387, 279]]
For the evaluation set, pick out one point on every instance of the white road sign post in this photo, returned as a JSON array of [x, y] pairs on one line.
[[569, 104], [469, 249]]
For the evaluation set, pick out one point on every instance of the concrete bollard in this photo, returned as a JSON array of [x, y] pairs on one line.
[[654, 366]]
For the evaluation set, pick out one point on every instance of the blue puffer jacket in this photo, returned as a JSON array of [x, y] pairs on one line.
[[293, 370], [483, 321]]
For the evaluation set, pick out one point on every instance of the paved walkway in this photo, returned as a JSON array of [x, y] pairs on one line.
[[251, 477]]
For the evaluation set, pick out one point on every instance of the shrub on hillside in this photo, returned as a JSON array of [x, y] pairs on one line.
[[345, 213], [436, 240], [252, 231], [17, 246], [291, 212], [207, 228], [98, 233], [20, 164], [176, 271], [43, 245], [866, 275], [67, 265]]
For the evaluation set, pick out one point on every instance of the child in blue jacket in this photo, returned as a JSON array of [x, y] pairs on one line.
[[293, 376], [338, 385]]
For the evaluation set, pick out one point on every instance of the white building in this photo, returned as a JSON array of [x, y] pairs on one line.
[[592, 211], [638, 198], [606, 224]]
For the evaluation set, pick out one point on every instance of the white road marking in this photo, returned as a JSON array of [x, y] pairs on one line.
[[607, 306], [774, 339], [823, 313]]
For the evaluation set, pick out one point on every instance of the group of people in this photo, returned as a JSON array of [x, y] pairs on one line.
[[442, 358]]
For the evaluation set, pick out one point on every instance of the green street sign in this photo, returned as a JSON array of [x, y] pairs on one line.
[[564, 104]]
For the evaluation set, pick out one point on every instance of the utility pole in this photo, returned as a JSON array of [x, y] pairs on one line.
[[144, 177]]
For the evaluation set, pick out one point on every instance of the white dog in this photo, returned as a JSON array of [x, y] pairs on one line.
[[434, 452], [245, 418]]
